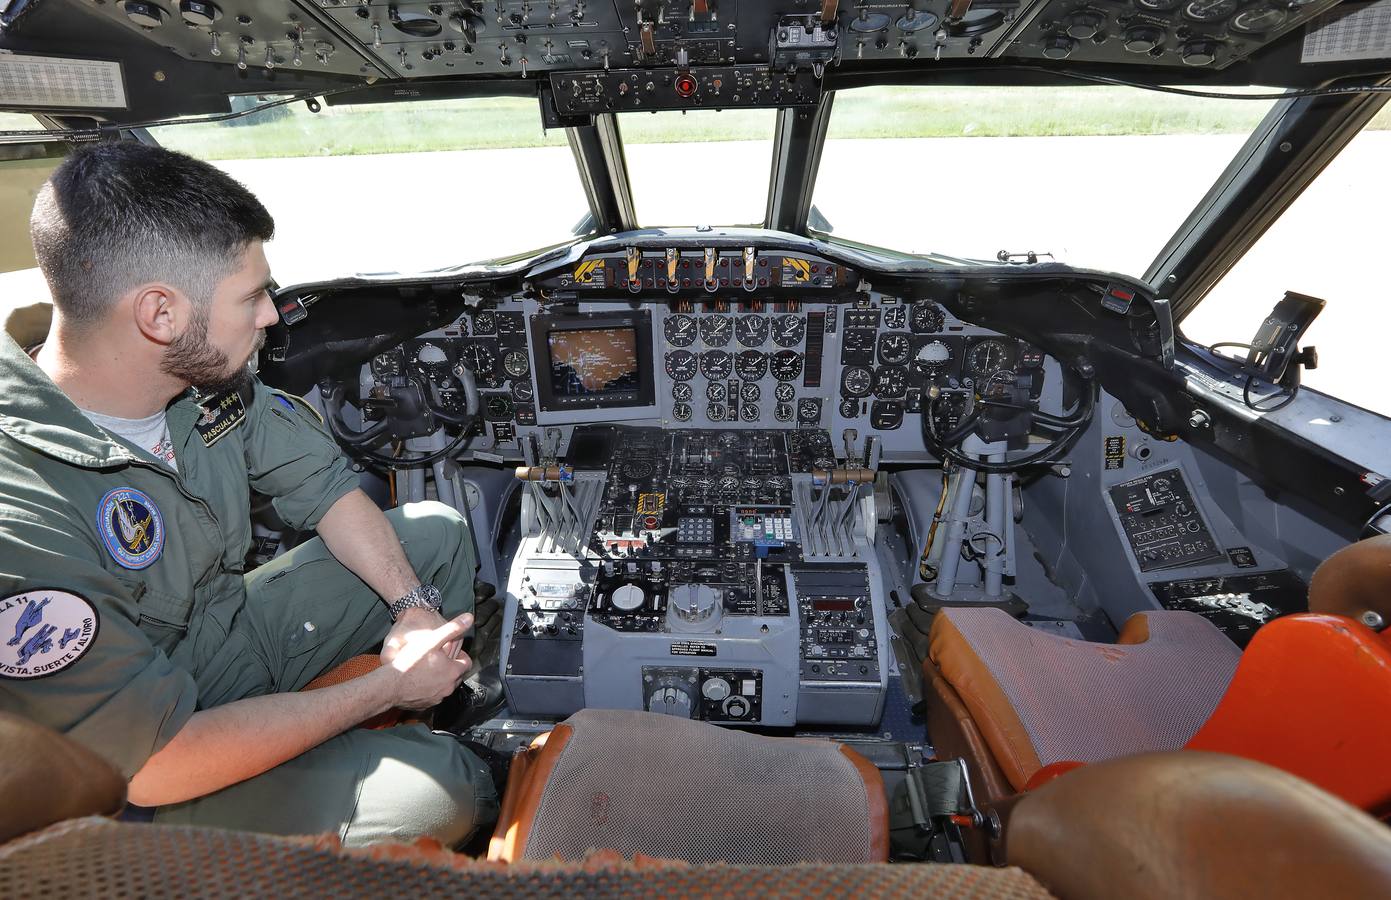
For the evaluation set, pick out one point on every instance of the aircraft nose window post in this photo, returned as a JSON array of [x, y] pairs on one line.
[[440, 433]]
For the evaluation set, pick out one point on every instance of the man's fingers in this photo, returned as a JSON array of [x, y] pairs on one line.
[[454, 628]]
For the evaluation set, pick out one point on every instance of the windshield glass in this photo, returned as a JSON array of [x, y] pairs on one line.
[[1098, 177], [702, 167], [396, 187]]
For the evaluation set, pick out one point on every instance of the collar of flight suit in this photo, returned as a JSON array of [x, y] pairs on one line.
[[37, 414]]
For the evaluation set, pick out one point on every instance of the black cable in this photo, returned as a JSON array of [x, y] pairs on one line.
[[1334, 91], [1292, 387]]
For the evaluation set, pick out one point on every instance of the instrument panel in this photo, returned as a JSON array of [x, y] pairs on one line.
[[775, 361]]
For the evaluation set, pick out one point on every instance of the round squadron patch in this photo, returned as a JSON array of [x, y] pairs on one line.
[[131, 527], [43, 632]]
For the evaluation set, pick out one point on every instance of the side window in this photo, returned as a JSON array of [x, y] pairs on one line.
[[1331, 243]]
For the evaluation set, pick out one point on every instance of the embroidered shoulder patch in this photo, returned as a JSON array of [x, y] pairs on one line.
[[131, 527], [44, 631], [221, 414]]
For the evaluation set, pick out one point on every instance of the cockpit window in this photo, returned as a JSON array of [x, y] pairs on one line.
[[402, 187], [702, 167], [1097, 176]]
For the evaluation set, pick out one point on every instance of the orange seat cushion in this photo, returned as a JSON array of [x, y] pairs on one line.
[[1039, 698]]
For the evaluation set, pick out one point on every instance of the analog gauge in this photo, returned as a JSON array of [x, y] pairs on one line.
[[482, 360], [716, 364], [894, 348], [681, 481], [918, 20], [869, 22], [783, 412], [716, 331], [680, 330], [716, 392], [1209, 10], [932, 358], [681, 412], [987, 357], [749, 412], [484, 323], [751, 484], [681, 365], [499, 406], [1258, 20], [521, 391], [429, 358], [752, 331], [895, 316], [1156, 5], [751, 365], [890, 382], [750, 393], [928, 318], [849, 409], [703, 485], [715, 412], [809, 411], [388, 363], [788, 331], [728, 485], [681, 392], [516, 364], [786, 365], [856, 381], [784, 392]]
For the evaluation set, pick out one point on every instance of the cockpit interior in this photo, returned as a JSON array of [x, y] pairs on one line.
[[1034, 534]]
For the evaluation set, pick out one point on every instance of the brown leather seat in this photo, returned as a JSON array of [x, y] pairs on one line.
[[1012, 699], [639, 782]]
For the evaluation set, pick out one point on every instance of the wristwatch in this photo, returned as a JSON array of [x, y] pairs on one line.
[[426, 596]]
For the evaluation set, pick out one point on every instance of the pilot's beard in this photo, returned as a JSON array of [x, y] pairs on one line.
[[194, 359]]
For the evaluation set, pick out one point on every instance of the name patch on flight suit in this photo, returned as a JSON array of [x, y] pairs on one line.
[[220, 416], [43, 632], [131, 527]]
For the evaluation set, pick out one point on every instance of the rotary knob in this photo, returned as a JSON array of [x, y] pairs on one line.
[[670, 701], [715, 689], [1143, 38], [693, 607], [1059, 47], [1199, 53], [1083, 26]]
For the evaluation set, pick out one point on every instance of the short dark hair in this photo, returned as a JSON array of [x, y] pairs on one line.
[[116, 215]]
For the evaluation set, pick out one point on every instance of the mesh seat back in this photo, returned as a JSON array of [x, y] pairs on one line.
[[644, 783]]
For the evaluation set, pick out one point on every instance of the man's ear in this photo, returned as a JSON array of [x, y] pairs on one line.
[[161, 312]]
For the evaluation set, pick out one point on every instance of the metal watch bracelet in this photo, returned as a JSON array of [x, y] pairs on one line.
[[426, 596]]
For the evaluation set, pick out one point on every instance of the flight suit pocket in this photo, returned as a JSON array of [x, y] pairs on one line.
[[162, 616]]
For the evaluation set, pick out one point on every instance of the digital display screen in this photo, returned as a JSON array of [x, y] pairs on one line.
[[593, 362], [827, 604]]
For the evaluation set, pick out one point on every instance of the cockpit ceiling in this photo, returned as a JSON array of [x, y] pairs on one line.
[[597, 56]]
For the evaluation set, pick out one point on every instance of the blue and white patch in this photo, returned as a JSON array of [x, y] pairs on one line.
[[131, 526], [42, 632]]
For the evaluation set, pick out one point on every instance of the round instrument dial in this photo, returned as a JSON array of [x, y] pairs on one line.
[[894, 348], [927, 318], [750, 393], [869, 22], [932, 358], [431, 361], [751, 365], [1209, 10], [681, 365], [749, 412], [516, 363], [1258, 20], [786, 365], [890, 382], [716, 331], [716, 392], [784, 392], [681, 412], [715, 412], [788, 331], [918, 20], [752, 331], [482, 360], [498, 406], [728, 485], [784, 412], [808, 411], [627, 598], [484, 323], [987, 357], [716, 364], [521, 391], [681, 392], [849, 409], [856, 381], [680, 330]]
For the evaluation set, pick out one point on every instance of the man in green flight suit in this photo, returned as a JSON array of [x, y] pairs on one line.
[[129, 445]]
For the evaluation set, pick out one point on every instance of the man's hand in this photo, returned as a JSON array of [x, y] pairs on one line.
[[425, 673], [420, 619]]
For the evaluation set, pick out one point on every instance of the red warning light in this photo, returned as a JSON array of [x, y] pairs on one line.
[[685, 85]]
